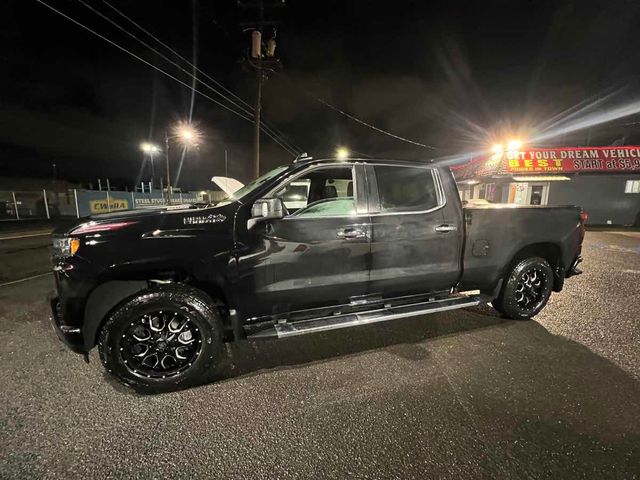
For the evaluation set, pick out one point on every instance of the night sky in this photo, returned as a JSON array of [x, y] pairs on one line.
[[454, 75]]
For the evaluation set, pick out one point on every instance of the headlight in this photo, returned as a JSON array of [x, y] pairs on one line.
[[65, 247]]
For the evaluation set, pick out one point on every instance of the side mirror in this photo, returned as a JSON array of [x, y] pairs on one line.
[[266, 209]]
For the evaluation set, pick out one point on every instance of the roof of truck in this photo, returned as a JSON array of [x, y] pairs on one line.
[[311, 160]]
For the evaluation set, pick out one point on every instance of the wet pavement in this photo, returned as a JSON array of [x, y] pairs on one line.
[[461, 394]]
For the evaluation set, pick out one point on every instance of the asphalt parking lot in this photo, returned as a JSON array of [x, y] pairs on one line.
[[462, 394]]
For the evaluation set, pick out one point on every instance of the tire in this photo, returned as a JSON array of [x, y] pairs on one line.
[[162, 339], [527, 289]]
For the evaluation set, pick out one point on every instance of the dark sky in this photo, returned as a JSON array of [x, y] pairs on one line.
[[450, 74]]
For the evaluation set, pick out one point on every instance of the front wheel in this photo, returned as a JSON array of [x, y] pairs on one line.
[[162, 339], [527, 289]]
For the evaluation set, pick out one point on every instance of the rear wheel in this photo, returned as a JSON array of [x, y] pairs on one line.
[[526, 290], [162, 339]]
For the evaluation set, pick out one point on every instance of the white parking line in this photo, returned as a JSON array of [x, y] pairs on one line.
[[25, 279], [38, 234]]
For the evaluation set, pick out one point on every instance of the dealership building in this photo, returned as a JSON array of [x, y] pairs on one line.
[[605, 181]]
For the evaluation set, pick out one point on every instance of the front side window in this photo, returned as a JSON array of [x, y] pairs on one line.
[[406, 189], [320, 192]]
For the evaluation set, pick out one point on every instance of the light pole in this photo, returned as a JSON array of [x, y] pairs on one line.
[[188, 136], [150, 149]]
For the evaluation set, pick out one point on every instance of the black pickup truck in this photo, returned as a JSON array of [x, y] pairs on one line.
[[311, 246]]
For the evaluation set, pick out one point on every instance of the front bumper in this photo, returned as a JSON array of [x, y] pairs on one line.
[[70, 335]]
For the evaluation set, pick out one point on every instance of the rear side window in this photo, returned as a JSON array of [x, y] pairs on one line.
[[406, 189]]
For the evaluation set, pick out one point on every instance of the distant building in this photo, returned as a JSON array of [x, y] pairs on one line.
[[605, 181]]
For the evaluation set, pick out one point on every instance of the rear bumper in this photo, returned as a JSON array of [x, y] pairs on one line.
[[70, 335], [560, 274], [573, 269]]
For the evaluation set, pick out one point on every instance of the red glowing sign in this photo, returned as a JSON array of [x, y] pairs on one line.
[[554, 160]]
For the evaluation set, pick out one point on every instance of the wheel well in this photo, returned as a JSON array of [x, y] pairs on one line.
[[212, 287], [549, 251], [107, 296], [215, 292], [102, 300]]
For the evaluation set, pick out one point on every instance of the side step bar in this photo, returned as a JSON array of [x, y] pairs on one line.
[[286, 329]]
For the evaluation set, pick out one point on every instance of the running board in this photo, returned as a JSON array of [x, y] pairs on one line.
[[286, 329]]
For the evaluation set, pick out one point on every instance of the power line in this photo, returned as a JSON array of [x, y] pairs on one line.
[[195, 68], [352, 117], [155, 51], [173, 51], [137, 57], [248, 108], [157, 68]]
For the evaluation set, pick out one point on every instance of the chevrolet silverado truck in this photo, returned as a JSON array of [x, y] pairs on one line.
[[159, 291]]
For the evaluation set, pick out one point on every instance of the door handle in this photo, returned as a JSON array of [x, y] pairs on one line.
[[445, 228], [351, 233]]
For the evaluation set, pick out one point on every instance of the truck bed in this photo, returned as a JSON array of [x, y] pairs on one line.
[[496, 233]]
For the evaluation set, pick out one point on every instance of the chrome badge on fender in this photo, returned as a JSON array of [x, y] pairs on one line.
[[202, 219]]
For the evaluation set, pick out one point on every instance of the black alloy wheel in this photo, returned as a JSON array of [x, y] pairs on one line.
[[530, 288], [162, 339], [161, 344], [526, 290]]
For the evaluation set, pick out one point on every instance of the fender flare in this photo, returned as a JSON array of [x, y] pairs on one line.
[[101, 301]]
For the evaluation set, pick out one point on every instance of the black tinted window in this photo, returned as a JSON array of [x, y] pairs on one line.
[[405, 189]]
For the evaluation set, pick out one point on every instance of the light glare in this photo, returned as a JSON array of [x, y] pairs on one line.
[[147, 147], [187, 134], [342, 153], [514, 145]]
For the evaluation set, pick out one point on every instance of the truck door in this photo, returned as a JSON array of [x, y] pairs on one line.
[[318, 253], [412, 246]]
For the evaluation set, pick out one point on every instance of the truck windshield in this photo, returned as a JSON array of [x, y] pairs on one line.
[[250, 187]]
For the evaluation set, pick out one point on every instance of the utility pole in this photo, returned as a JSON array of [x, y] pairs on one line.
[[166, 149], [261, 57], [153, 169], [257, 36]]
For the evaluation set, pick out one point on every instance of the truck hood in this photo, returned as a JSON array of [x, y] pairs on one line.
[[227, 184], [174, 218]]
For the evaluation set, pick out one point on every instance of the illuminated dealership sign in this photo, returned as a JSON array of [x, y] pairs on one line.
[[556, 160]]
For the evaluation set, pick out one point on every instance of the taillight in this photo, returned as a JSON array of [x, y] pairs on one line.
[[92, 227], [584, 216]]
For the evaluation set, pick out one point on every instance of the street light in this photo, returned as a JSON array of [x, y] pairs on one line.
[[342, 153], [150, 149], [189, 136]]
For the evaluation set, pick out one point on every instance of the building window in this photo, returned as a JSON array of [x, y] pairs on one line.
[[632, 186]]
